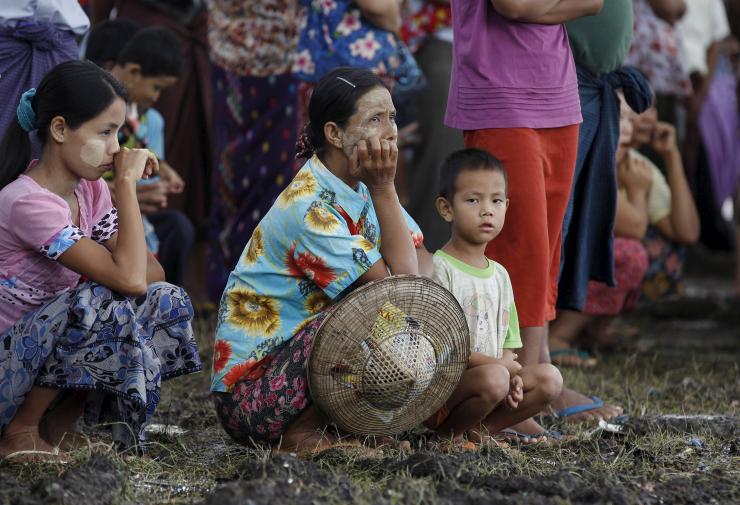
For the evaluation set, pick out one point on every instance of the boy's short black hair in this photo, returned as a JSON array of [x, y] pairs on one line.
[[468, 159], [157, 50], [106, 40]]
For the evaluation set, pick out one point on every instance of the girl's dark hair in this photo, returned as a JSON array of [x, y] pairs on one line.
[[334, 99], [78, 91]]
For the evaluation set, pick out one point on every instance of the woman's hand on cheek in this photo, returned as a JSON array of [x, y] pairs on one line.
[[377, 160]]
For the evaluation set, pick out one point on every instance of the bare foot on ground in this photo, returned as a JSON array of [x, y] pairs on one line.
[[486, 440], [313, 442], [562, 353]]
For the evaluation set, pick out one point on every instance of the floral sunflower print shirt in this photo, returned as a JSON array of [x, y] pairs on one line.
[[319, 237]]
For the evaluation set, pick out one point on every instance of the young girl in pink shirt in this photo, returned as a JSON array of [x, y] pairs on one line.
[[85, 319]]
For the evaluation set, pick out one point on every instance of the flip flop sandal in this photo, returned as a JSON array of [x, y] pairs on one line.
[[32, 456], [584, 359], [577, 409]]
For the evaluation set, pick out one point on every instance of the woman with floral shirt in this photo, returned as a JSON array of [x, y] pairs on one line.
[[337, 224]]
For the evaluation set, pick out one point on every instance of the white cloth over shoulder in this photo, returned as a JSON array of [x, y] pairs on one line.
[[64, 14]]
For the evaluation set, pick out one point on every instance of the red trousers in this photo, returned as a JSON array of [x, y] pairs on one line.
[[539, 164]]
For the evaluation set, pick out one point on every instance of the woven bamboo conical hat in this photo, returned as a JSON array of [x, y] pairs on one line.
[[388, 355]]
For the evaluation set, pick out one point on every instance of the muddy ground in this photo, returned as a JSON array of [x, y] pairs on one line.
[[682, 364]]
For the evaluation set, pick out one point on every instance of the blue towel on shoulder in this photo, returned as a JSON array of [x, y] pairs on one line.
[[588, 241]]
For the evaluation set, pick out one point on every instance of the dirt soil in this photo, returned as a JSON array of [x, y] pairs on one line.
[[678, 379]]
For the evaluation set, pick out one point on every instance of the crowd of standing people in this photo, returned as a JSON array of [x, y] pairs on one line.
[[256, 153]]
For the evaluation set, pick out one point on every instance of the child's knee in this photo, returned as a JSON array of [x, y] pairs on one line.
[[494, 384], [549, 381]]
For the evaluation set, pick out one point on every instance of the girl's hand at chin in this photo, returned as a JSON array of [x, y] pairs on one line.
[[134, 164]]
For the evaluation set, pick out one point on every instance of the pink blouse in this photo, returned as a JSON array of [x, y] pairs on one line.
[[36, 227]]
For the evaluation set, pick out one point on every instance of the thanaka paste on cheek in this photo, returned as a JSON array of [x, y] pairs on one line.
[[93, 152], [370, 104]]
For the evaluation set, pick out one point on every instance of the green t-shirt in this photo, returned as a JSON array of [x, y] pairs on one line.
[[601, 42], [487, 299]]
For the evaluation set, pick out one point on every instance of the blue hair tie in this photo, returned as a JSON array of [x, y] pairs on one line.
[[25, 113]]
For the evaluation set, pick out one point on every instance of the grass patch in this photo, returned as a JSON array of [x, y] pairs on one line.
[[654, 462]]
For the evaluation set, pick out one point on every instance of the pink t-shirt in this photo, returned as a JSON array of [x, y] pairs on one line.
[[36, 227], [507, 74]]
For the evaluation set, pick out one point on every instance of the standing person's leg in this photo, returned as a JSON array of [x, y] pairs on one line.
[[522, 247], [560, 145], [437, 142], [254, 136], [560, 148], [631, 263]]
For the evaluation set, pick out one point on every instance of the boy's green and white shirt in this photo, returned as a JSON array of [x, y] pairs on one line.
[[487, 299]]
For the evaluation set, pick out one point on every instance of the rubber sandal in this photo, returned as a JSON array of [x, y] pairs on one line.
[[577, 409], [585, 359], [32, 456]]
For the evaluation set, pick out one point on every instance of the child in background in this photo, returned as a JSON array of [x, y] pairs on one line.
[[146, 61], [495, 392], [107, 342], [106, 40]]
